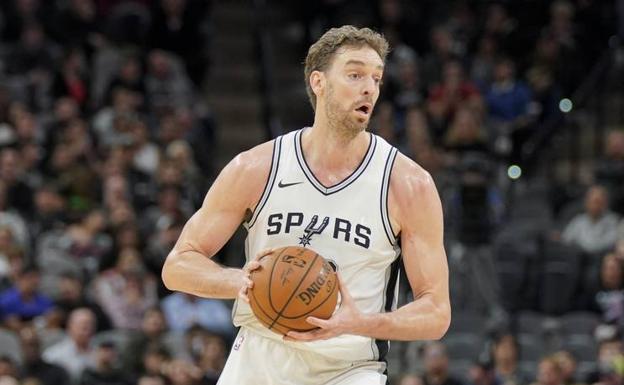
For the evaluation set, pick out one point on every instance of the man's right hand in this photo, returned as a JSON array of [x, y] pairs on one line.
[[252, 265]]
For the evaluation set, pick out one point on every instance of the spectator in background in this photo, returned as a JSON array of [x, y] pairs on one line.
[[403, 85], [12, 219], [505, 355], [465, 135], [167, 85], [507, 98], [607, 298], [183, 311], [546, 94], [74, 353], [483, 61], [148, 379], [409, 379], [595, 230], [18, 193], [83, 244], [609, 170], [209, 352], [447, 96], [23, 301], [8, 367], [49, 211], [152, 333], [508, 101], [568, 366], [609, 350], [155, 359], [72, 79], [34, 366], [105, 369], [482, 373], [126, 291], [436, 364], [72, 296], [549, 372], [443, 49]]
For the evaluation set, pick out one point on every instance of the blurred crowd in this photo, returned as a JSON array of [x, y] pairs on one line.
[[107, 147], [536, 263]]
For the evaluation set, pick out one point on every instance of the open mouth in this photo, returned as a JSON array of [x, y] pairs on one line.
[[364, 109]]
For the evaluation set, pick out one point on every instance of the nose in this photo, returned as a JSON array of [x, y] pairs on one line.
[[369, 86]]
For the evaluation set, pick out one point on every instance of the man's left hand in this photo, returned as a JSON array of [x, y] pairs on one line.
[[344, 321]]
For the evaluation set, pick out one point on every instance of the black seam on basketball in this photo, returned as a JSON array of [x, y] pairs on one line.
[[271, 279], [316, 256], [321, 304], [278, 323]]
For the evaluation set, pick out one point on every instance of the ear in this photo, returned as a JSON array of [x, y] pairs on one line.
[[317, 82]]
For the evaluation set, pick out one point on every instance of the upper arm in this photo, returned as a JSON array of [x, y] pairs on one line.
[[234, 193], [416, 211]]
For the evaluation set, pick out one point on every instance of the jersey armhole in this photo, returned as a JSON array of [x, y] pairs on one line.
[[383, 204], [277, 145]]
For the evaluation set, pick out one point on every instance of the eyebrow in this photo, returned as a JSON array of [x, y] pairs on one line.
[[359, 62]]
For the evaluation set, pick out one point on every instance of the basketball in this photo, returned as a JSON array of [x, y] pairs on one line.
[[293, 283]]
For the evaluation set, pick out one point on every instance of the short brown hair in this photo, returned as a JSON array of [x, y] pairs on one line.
[[322, 52]]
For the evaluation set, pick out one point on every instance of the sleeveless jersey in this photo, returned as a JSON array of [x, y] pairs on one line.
[[347, 224]]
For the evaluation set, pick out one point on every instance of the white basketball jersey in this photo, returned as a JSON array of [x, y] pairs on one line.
[[346, 223]]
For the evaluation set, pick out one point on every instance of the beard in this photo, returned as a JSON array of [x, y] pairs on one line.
[[341, 121]]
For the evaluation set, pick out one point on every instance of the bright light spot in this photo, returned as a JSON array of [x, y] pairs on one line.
[[514, 171], [565, 105]]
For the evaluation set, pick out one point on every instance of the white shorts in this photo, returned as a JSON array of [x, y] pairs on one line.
[[258, 360]]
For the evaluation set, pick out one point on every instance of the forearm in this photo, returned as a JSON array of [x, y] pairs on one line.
[[421, 319], [194, 273]]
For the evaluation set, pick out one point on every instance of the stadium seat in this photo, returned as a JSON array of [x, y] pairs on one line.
[[467, 322], [463, 346], [582, 346], [531, 347], [560, 277], [579, 323]]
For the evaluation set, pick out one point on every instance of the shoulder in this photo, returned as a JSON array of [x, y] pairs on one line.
[[408, 179], [412, 190], [254, 160]]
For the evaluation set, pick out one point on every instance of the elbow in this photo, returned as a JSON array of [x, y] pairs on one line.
[[167, 273], [443, 324]]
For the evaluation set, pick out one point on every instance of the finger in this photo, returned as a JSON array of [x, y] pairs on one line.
[[302, 336], [253, 265], [263, 253], [242, 294], [321, 323], [249, 283]]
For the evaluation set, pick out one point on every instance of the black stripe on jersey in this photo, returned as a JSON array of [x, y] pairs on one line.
[[383, 200], [372, 145], [384, 345], [277, 146]]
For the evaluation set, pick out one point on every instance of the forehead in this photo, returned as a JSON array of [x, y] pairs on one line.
[[364, 55]]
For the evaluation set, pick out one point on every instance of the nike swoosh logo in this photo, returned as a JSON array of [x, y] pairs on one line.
[[282, 185]]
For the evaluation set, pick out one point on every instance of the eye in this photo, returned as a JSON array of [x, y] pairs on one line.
[[353, 76]]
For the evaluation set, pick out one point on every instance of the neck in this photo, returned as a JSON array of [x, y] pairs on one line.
[[332, 148]]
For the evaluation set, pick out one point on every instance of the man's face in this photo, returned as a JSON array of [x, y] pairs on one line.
[[349, 89], [596, 202]]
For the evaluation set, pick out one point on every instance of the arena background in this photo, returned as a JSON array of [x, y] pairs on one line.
[[115, 117]]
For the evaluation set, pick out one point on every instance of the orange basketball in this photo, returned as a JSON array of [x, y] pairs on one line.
[[292, 284]]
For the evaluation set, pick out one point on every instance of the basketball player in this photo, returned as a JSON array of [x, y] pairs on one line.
[[348, 195]]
